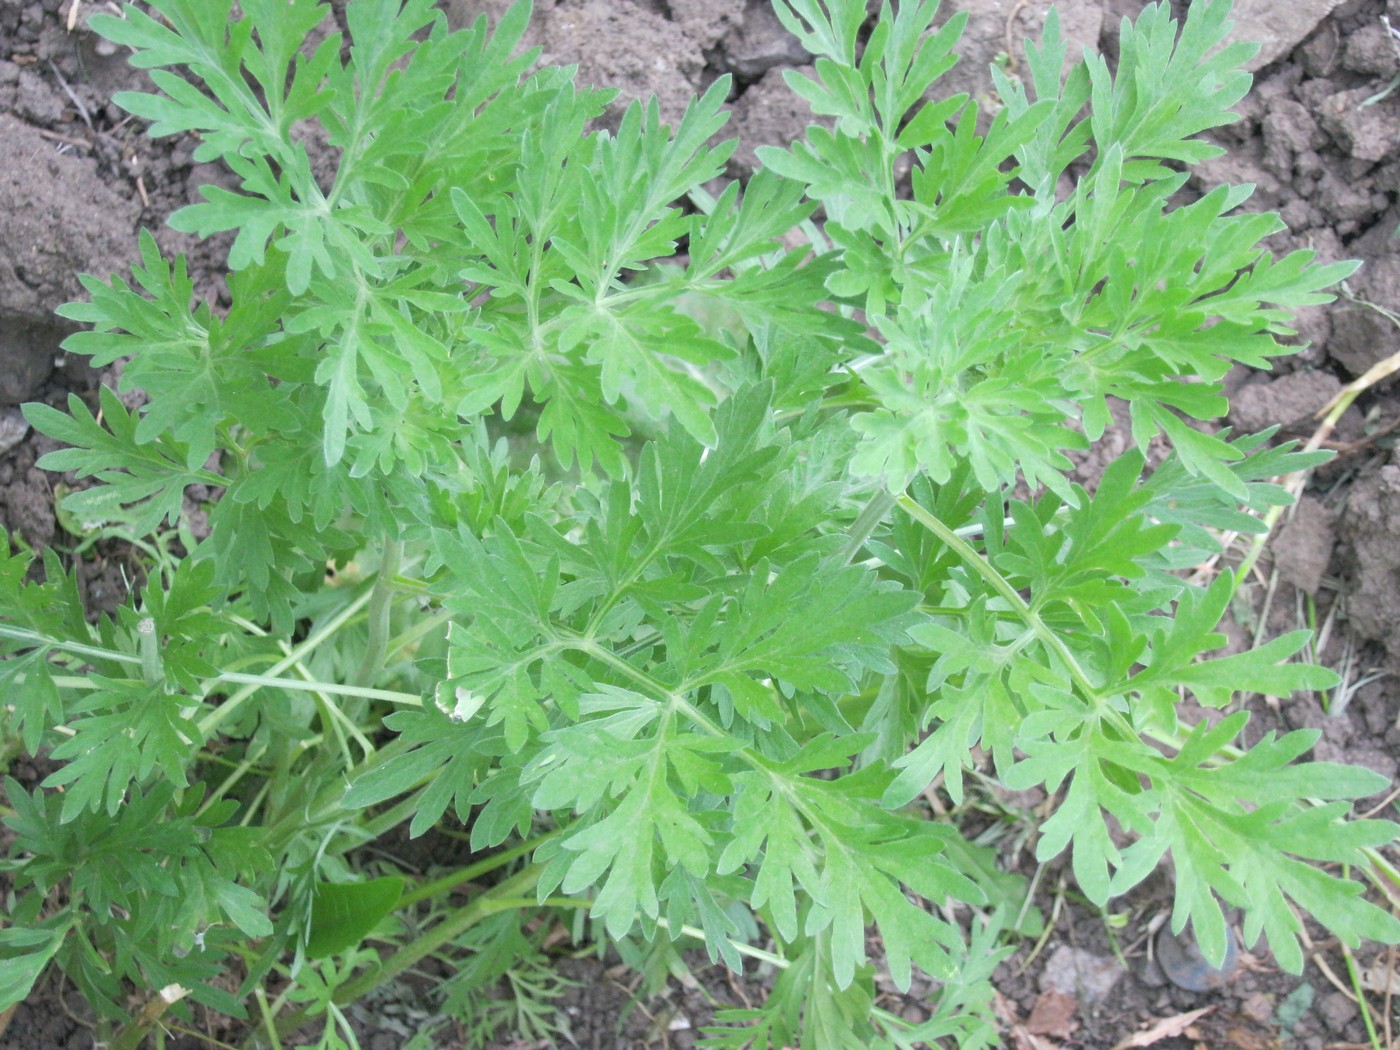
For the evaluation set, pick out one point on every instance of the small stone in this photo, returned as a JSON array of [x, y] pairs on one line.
[[1183, 964], [1278, 28], [13, 428], [1073, 971], [27, 354]]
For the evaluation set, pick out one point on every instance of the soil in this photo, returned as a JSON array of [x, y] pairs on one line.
[[1319, 138]]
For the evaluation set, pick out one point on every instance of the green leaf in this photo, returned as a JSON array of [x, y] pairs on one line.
[[25, 951], [344, 913], [127, 731], [141, 484], [37, 705]]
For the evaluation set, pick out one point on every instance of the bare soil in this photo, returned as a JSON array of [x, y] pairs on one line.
[[1320, 139]]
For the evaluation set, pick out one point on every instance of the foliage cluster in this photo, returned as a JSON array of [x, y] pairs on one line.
[[676, 556]]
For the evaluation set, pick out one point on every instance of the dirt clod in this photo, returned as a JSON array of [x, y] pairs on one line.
[[1303, 546], [1371, 526], [1286, 402]]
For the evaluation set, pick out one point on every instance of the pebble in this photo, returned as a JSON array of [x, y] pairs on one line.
[[13, 428], [1084, 975], [1183, 965]]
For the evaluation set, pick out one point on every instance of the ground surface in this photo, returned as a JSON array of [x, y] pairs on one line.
[[78, 179]]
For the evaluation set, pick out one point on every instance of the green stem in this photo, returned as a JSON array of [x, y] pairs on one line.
[[381, 606], [134, 1032], [327, 805], [739, 946], [1038, 627], [998, 583], [1360, 992], [263, 681], [422, 626], [23, 634], [211, 721], [396, 814], [453, 879], [239, 772], [148, 641], [503, 897], [874, 512], [267, 1020], [655, 688]]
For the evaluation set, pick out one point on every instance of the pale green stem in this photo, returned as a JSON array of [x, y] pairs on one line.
[[269, 1024], [341, 726], [238, 773], [739, 946], [211, 721], [498, 899], [424, 625], [474, 871], [654, 687], [860, 530], [152, 673], [262, 681], [134, 1032], [251, 809], [23, 634], [401, 811], [381, 607], [998, 583]]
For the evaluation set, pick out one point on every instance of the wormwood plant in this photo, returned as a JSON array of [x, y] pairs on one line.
[[559, 499]]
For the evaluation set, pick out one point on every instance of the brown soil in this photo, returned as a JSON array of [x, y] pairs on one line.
[[78, 178]]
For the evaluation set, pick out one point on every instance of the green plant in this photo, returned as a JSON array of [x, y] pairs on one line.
[[674, 562]]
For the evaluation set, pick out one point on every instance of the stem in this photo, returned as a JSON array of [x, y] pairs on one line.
[[739, 946], [422, 625], [239, 772], [267, 1018], [148, 642], [456, 878], [655, 687], [134, 1032], [874, 512], [262, 681], [1038, 627], [381, 605], [396, 814], [503, 897], [1360, 992], [211, 721], [23, 634], [327, 805], [998, 583]]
